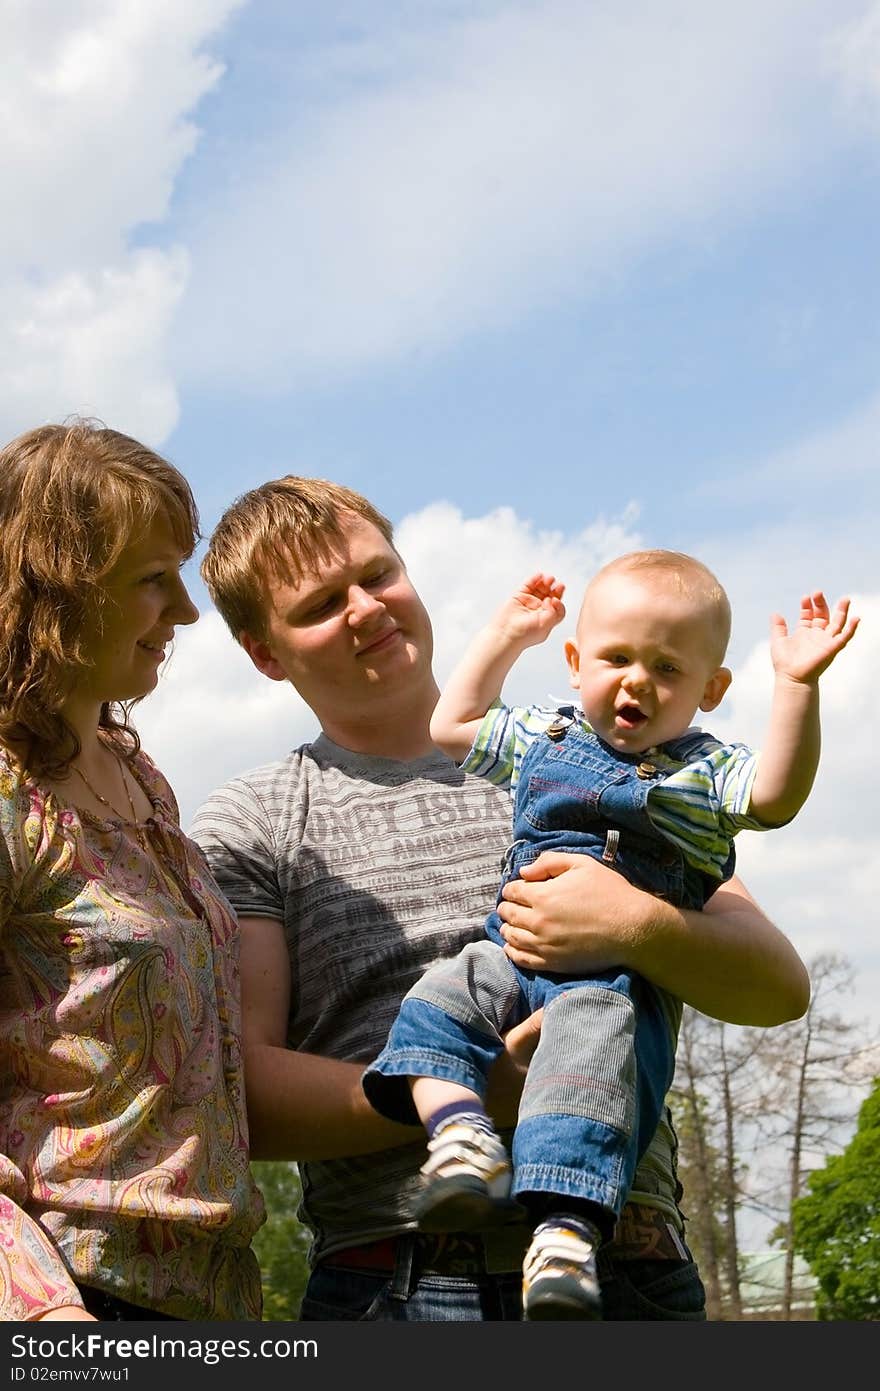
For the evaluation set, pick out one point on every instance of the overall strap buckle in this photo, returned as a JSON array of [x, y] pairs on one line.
[[565, 718]]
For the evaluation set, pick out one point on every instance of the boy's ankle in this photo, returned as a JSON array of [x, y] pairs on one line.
[[468, 1112]]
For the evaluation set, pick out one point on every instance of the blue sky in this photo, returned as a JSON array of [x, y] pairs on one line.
[[437, 249], [546, 280], [671, 315]]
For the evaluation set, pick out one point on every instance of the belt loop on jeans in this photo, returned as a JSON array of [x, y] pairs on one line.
[[507, 857], [402, 1280]]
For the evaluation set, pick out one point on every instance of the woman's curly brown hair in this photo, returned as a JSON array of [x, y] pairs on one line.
[[72, 497]]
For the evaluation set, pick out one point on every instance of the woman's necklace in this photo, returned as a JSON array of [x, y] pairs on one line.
[[162, 850], [133, 821]]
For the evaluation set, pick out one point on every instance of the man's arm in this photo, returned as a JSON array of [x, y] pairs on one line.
[[299, 1106], [570, 913], [303, 1107]]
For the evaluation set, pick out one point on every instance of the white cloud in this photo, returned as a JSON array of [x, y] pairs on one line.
[[95, 99], [471, 169], [93, 344]]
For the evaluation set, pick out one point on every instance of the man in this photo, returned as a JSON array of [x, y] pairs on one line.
[[357, 861]]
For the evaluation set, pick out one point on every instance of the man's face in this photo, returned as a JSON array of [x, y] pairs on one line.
[[350, 634]]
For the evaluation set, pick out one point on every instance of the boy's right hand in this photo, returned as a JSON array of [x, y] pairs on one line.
[[530, 615]]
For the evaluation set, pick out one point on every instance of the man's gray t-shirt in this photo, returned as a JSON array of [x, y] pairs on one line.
[[376, 868]]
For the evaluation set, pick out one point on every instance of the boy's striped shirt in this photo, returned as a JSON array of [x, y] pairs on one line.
[[701, 804]]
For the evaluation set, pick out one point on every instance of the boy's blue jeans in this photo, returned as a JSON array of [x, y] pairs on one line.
[[596, 1084]]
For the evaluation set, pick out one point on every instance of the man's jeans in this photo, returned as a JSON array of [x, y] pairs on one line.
[[631, 1289]]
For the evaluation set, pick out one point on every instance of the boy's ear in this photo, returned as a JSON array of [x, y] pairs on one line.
[[262, 657], [573, 657], [716, 688]]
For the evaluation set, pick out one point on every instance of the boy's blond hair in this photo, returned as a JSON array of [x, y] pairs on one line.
[[684, 575], [280, 531]]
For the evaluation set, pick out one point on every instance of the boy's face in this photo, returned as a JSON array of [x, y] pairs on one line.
[[348, 634], [642, 661]]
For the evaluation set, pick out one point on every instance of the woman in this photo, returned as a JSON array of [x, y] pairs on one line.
[[125, 1190]]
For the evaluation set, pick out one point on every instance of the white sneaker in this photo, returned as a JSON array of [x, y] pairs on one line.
[[560, 1280], [467, 1179]]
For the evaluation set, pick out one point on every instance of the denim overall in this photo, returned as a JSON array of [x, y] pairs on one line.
[[599, 1076]]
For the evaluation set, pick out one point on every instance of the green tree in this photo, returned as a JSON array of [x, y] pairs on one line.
[[836, 1224], [814, 1067], [282, 1243]]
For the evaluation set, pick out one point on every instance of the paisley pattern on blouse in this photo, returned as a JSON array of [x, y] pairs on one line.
[[123, 1137]]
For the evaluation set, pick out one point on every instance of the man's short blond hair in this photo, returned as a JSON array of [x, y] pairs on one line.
[[279, 531], [684, 575]]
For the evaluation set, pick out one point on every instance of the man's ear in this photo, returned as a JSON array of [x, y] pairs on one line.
[[716, 688], [262, 657], [573, 657]]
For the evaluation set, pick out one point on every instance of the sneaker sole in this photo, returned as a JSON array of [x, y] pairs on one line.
[[544, 1305], [456, 1205]]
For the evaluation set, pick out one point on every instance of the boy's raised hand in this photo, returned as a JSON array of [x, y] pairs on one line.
[[531, 614], [803, 654]]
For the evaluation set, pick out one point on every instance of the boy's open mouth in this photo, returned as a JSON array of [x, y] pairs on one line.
[[630, 716]]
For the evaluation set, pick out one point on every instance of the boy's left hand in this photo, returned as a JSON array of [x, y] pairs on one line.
[[531, 614], [804, 654]]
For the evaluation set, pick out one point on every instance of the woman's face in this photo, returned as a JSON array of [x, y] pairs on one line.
[[145, 600]]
